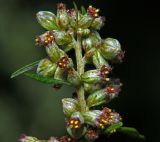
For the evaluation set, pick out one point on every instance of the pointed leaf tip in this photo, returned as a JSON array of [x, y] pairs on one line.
[[83, 10], [25, 69]]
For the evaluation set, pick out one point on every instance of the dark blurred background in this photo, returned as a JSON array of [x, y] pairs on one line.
[[27, 106]]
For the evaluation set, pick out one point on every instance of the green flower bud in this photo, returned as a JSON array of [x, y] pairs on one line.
[[46, 68], [96, 76], [110, 48], [70, 106], [59, 74], [98, 60], [91, 41], [47, 20], [83, 32], [98, 23], [62, 16], [73, 77], [54, 52], [103, 96], [85, 21], [91, 76], [97, 98], [90, 117], [62, 37], [89, 88]]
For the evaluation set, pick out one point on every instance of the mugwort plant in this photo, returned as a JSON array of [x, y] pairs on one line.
[[86, 113]]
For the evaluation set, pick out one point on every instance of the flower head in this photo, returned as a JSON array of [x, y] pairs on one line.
[[66, 139], [91, 135], [63, 62], [71, 13], [104, 71], [61, 6], [113, 89], [93, 12], [45, 39], [74, 123], [108, 117]]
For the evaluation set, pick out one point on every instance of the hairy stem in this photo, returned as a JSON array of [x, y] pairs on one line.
[[80, 69]]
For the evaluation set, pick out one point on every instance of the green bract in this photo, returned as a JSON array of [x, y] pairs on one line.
[[62, 38], [47, 20], [110, 48], [70, 106], [91, 117], [54, 52], [91, 76], [46, 68], [98, 60]]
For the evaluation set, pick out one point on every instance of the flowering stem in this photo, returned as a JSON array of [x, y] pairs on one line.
[[80, 69]]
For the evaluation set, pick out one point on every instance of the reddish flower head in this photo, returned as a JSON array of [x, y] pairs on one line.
[[93, 12], [108, 117], [104, 71], [91, 135], [61, 6], [66, 139], [45, 39], [63, 62]]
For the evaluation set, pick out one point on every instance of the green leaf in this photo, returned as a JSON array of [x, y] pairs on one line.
[[25, 69], [83, 10], [131, 132], [113, 127], [76, 8], [46, 80]]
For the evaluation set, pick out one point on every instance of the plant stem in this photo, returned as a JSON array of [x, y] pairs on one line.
[[80, 69]]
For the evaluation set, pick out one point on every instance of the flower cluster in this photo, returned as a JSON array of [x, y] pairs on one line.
[[58, 40], [73, 29]]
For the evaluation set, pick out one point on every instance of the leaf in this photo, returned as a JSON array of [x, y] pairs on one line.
[[131, 132], [113, 127], [83, 10], [25, 69], [76, 8], [46, 80]]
